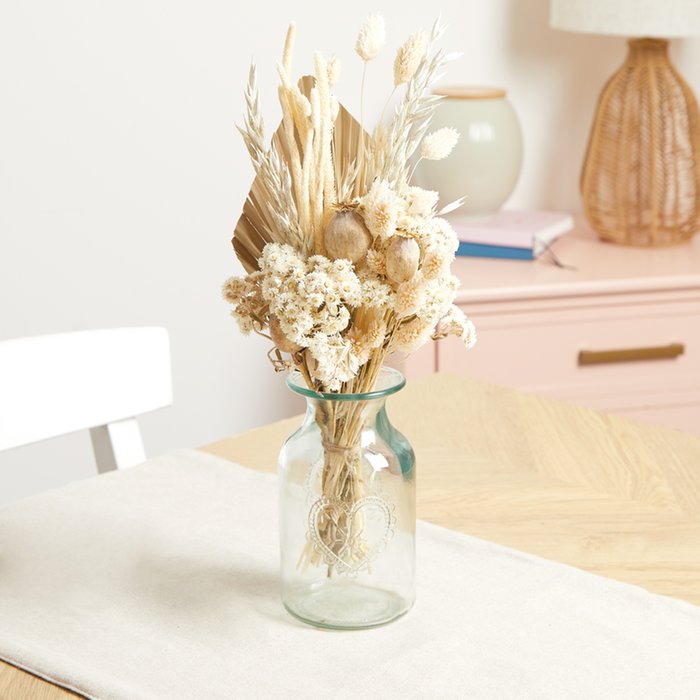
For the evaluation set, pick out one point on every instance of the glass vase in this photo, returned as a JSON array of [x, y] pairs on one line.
[[347, 510]]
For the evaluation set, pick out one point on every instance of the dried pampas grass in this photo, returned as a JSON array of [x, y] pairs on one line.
[[370, 40], [408, 58]]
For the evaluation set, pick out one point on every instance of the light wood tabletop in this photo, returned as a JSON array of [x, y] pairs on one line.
[[616, 498]]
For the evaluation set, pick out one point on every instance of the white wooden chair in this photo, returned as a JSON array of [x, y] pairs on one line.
[[56, 384]]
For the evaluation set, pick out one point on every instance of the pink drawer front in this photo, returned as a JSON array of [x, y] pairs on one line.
[[540, 351]]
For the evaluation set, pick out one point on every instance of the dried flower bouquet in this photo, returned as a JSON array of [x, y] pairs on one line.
[[346, 261]]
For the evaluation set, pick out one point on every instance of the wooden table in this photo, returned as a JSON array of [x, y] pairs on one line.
[[596, 491]]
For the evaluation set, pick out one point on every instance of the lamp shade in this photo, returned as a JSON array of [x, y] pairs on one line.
[[635, 18]]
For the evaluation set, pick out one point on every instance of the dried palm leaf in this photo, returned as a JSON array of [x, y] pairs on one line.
[[264, 220]]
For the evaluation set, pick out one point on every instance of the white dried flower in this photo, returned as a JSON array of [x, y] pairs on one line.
[[456, 323], [375, 294], [280, 259], [438, 299], [432, 233], [365, 338], [249, 306], [416, 227], [410, 296], [435, 263], [421, 202], [411, 335], [333, 68], [234, 289], [447, 233], [382, 218], [336, 360], [468, 335], [381, 207], [375, 334], [245, 323], [439, 144], [408, 57], [370, 40]]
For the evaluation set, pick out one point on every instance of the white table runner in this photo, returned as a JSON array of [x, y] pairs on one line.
[[160, 582]]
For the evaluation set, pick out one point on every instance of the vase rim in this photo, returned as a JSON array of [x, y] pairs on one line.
[[390, 381]]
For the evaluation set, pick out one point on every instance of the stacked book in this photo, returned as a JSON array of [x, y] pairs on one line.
[[519, 235]]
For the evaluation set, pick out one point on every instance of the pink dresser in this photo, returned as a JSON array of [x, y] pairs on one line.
[[620, 333]]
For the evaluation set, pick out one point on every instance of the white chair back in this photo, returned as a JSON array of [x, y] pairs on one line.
[[56, 384]]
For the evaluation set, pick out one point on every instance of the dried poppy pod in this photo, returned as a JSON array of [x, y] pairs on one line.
[[346, 236], [402, 256], [279, 338]]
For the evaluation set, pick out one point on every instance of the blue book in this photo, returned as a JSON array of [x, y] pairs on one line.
[[481, 250], [514, 235]]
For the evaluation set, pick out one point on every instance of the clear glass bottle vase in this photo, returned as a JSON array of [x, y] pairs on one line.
[[347, 510]]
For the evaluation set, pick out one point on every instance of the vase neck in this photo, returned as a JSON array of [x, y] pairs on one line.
[[342, 423], [365, 410], [388, 381]]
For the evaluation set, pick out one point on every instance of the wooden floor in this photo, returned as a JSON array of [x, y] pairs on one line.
[[613, 497]]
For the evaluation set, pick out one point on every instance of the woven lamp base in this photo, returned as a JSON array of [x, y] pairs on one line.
[[641, 178]]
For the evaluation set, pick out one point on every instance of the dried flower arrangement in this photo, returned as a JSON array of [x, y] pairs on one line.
[[346, 261]]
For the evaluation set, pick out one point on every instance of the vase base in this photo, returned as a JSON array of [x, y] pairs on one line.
[[345, 605]]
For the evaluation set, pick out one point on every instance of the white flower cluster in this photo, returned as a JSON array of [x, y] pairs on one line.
[[425, 298], [313, 301], [397, 297], [244, 294], [308, 297]]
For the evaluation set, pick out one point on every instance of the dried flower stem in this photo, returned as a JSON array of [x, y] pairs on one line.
[[361, 169]]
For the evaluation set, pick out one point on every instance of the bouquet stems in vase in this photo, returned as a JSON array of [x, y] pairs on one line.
[[346, 262]]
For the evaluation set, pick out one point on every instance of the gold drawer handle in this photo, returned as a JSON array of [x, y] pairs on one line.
[[600, 357]]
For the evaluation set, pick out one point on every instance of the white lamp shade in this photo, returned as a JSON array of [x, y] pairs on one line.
[[635, 18]]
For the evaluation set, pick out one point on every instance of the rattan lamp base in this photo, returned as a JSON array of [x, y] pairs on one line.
[[641, 178]]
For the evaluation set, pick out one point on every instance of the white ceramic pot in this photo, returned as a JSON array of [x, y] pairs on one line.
[[487, 159]]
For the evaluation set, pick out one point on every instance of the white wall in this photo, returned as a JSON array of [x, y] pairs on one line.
[[121, 174]]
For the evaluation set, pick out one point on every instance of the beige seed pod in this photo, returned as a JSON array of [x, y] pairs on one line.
[[346, 236], [279, 338], [402, 257]]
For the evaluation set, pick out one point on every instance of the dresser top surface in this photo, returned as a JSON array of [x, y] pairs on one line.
[[600, 268]]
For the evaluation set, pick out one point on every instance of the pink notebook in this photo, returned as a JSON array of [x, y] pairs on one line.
[[514, 229]]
